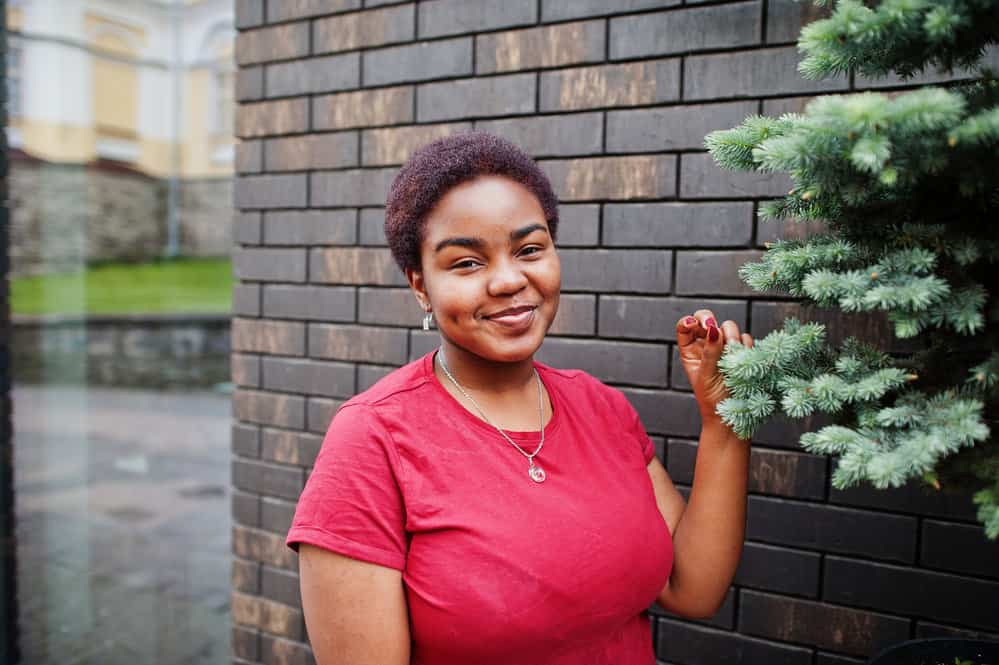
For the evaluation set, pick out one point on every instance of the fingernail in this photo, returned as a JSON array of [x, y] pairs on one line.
[[711, 322], [689, 321], [713, 334]]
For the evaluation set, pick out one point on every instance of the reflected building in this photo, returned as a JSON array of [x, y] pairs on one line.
[[120, 130]]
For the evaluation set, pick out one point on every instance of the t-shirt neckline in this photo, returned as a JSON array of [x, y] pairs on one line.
[[475, 420]]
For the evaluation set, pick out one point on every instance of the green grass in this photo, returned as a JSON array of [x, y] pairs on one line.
[[179, 285]]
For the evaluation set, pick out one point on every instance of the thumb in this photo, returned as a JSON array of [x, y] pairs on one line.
[[714, 344]]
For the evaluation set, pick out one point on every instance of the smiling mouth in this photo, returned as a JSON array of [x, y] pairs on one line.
[[512, 313]]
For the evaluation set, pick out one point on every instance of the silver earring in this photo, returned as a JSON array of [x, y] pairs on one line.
[[427, 318]]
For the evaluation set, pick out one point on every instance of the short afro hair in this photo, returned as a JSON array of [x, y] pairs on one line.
[[441, 165]]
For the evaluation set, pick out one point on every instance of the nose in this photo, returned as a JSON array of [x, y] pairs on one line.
[[507, 278]]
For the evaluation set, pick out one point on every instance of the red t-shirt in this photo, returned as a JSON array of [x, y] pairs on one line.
[[498, 569]]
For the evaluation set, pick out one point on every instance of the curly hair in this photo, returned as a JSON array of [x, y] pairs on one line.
[[439, 166]]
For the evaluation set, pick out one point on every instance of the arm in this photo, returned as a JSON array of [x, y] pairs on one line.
[[709, 530], [355, 611]]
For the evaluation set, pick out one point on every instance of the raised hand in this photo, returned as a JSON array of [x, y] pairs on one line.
[[700, 342]]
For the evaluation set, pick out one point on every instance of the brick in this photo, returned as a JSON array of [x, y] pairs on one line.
[[576, 315], [677, 375], [245, 643], [687, 643], [672, 127], [350, 188], [267, 615], [926, 629], [271, 191], [269, 409], [480, 97], [871, 327], [246, 228], [372, 227], [276, 651], [355, 266], [551, 136], [750, 74], [714, 273], [245, 576], [394, 307], [320, 412], [249, 156], [246, 299], [249, 13], [246, 440], [960, 548], [779, 569], [310, 227], [685, 30], [542, 47], [318, 303], [450, 17], [636, 177], [264, 547], [280, 42], [773, 472], [782, 105], [666, 412], [369, 375], [701, 177], [279, 337], [839, 629], [930, 76], [274, 265], [286, 447], [393, 146], [832, 529], [678, 224], [312, 75], [422, 61], [786, 18], [942, 596], [631, 84], [421, 343], [308, 376], [610, 270], [272, 479], [363, 343], [363, 29], [286, 10], [363, 108], [312, 151], [559, 10], [579, 225], [277, 515], [770, 230], [638, 317], [281, 586], [249, 83], [783, 432], [621, 362], [245, 370], [245, 508]]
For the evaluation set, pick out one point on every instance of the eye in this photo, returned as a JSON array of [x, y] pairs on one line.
[[465, 264], [531, 249]]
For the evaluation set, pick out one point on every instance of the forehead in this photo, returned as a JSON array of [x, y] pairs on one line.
[[481, 204]]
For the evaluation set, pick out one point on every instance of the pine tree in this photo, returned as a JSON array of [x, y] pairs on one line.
[[907, 188]]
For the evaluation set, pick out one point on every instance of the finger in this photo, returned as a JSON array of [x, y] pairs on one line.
[[688, 330], [706, 317], [730, 331], [747, 340], [714, 344]]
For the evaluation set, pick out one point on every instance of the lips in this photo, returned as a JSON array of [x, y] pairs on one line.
[[511, 312]]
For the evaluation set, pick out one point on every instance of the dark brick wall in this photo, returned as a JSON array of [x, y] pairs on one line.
[[614, 99]]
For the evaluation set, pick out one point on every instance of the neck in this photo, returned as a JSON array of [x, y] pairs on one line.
[[483, 375]]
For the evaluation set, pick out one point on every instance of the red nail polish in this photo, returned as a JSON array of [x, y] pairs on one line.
[[713, 334], [711, 322], [689, 321]]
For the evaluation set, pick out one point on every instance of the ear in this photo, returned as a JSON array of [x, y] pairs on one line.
[[419, 287]]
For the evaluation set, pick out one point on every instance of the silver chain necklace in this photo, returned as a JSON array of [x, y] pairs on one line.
[[536, 473]]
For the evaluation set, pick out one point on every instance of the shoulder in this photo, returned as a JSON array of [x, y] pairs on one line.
[[398, 383]]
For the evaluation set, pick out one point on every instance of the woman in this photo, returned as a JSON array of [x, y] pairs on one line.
[[476, 506]]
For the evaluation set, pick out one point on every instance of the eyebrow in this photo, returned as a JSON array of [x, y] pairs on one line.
[[478, 243]]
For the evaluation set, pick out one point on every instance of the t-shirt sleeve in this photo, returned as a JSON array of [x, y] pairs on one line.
[[352, 503]]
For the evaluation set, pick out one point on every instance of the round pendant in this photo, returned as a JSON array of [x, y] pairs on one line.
[[537, 474]]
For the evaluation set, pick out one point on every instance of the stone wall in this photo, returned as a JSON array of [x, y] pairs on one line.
[[66, 215], [151, 351], [614, 99]]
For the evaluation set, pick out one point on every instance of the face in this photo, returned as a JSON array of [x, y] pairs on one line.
[[489, 269]]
